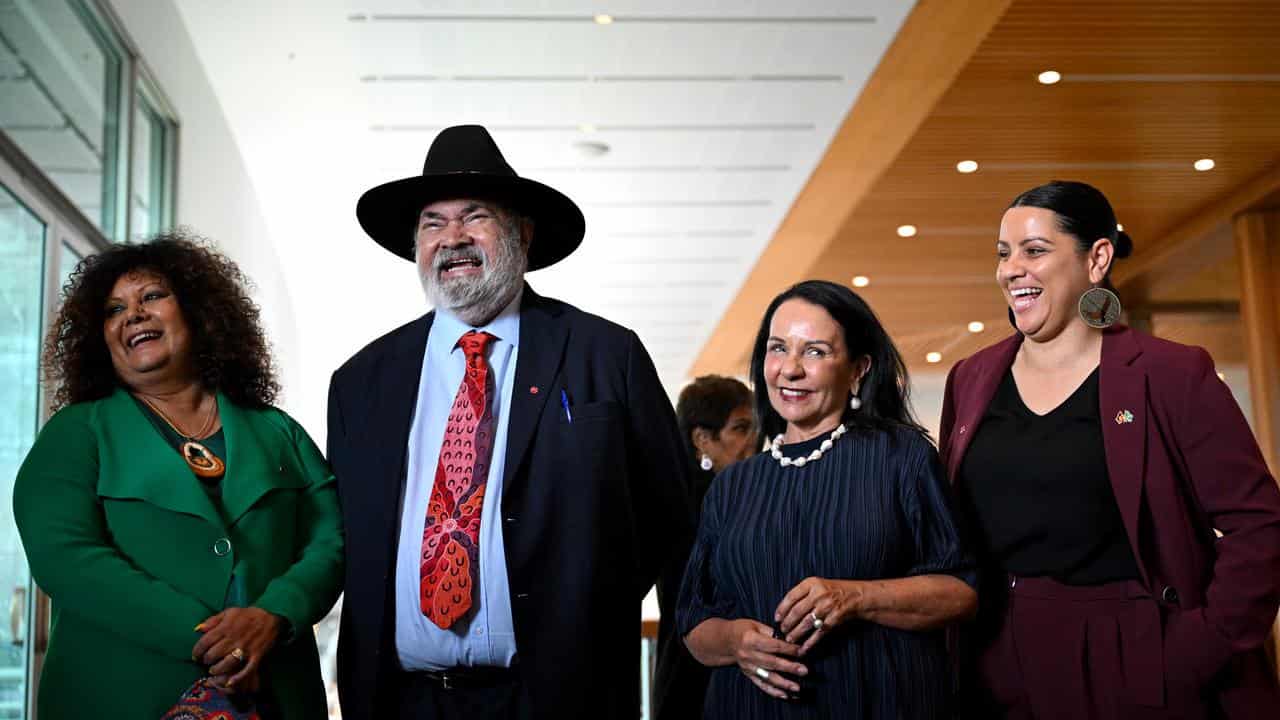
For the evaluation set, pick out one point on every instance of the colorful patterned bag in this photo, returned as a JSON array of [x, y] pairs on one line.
[[204, 701]]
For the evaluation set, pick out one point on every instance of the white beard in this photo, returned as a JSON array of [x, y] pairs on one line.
[[478, 299]]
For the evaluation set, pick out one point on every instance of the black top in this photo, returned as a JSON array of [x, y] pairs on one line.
[[874, 506], [1040, 493]]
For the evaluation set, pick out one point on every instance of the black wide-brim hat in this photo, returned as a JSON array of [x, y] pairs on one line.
[[465, 162]]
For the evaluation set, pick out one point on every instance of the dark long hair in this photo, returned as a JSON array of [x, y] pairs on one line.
[[884, 388], [1082, 211], [228, 347]]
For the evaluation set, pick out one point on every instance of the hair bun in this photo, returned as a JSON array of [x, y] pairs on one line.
[[1124, 244]]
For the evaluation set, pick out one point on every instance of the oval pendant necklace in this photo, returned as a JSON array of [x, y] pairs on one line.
[[200, 459]]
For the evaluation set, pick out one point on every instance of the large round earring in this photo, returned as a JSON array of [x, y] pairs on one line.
[[1099, 308], [706, 463]]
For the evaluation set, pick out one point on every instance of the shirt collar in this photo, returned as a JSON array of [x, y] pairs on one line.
[[505, 327]]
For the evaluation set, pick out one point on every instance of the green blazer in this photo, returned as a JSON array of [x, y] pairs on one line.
[[133, 553]]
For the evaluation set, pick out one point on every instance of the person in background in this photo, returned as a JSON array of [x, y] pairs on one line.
[[717, 424], [825, 570], [181, 525], [1095, 462]]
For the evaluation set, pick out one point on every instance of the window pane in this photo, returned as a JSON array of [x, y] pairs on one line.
[[151, 136], [60, 101], [21, 273]]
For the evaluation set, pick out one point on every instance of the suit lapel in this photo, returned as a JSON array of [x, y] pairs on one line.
[[542, 343], [1122, 405], [975, 396], [137, 463], [254, 449]]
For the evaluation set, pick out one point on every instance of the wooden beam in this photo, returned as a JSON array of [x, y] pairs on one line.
[[1191, 242], [1258, 248], [932, 47]]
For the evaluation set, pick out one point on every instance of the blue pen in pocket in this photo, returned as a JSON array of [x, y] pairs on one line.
[[564, 402]]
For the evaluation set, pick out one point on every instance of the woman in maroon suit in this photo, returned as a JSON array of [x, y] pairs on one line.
[[1095, 463]]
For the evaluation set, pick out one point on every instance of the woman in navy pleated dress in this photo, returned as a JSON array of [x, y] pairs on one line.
[[826, 570]]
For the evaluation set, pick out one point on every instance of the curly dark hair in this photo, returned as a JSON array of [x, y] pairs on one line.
[[230, 351]]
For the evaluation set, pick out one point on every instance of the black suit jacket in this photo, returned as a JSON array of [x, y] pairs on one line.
[[594, 511]]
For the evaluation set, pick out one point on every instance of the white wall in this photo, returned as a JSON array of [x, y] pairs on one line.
[[215, 196]]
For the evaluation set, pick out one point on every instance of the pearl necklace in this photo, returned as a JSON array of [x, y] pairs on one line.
[[776, 449]]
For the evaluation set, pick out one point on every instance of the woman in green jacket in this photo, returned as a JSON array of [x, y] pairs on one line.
[[182, 526]]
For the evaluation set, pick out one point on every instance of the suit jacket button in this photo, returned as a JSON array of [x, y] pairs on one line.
[[1169, 595], [221, 547]]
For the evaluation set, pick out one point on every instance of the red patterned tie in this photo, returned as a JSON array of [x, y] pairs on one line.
[[451, 539]]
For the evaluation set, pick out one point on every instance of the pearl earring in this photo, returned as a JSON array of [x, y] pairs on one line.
[[855, 402], [706, 463]]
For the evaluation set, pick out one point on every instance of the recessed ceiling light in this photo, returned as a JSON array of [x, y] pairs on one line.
[[976, 327], [1119, 227], [1049, 77], [587, 128], [906, 231], [591, 148], [1204, 164], [933, 357], [967, 166], [861, 281], [603, 19]]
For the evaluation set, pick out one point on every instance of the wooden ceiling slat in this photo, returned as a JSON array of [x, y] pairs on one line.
[[1135, 140]]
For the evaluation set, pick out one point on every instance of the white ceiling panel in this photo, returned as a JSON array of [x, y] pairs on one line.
[[712, 115]]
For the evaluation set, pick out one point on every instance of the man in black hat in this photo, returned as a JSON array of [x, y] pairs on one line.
[[510, 468]]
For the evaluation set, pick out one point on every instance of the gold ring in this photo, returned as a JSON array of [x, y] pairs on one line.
[[238, 654]]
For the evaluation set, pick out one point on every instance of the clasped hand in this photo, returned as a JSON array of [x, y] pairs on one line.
[[234, 643], [809, 611], [815, 607]]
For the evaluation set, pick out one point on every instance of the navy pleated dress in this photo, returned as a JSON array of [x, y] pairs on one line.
[[874, 507]]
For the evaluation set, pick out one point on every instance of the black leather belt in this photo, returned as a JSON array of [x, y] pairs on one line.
[[463, 677]]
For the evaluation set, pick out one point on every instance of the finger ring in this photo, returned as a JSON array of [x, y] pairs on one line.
[[817, 621], [762, 673], [238, 654]]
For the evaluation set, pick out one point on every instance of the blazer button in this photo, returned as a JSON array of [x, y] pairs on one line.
[[221, 547], [1169, 595]]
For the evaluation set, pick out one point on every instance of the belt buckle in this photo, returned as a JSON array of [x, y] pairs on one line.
[[444, 681]]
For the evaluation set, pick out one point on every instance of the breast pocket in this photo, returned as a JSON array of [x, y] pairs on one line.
[[591, 412]]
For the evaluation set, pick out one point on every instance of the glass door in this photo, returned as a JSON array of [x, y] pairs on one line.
[[39, 247], [22, 279]]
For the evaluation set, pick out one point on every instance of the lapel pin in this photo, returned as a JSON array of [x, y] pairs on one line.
[[963, 428], [1124, 416], [533, 390]]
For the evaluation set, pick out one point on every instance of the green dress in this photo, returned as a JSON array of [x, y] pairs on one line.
[[134, 553]]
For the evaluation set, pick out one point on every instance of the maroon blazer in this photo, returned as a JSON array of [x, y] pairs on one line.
[[1182, 462]]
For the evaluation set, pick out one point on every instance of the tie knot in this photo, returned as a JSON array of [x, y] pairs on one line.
[[474, 343]]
